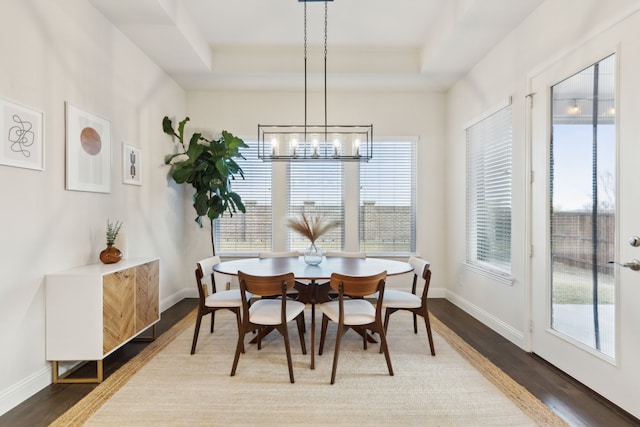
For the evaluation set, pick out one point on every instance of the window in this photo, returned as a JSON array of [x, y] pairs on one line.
[[388, 198], [316, 187], [248, 232], [489, 193], [375, 202]]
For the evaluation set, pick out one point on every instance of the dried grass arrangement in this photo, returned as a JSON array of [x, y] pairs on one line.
[[312, 226]]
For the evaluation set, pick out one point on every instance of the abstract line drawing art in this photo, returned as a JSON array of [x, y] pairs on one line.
[[22, 136], [131, 165], [88, 151]]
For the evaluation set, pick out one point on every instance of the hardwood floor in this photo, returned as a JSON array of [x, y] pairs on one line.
[[571, 400]]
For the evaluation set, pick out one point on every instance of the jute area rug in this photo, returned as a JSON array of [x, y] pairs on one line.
[[165, 385]]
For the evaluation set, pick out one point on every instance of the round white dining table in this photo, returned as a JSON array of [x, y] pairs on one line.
[[323, 271], [315, 291]]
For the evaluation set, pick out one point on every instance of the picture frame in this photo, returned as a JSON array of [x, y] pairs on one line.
[[21, 136], [131, 164], [88, 156]]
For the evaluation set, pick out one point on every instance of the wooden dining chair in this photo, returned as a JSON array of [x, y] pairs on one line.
[[210, 299], [293, 293], [395, 300], [351, 310], [269, 313]]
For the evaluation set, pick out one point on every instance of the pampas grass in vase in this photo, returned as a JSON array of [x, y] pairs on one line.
[[312, 227]]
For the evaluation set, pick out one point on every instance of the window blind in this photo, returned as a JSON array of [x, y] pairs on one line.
[[250, 232], [488, 211], [316, 188], [388, 198]]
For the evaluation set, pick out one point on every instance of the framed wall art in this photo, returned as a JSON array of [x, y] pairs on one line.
[[21, 136], [88, 151], [131, 165]]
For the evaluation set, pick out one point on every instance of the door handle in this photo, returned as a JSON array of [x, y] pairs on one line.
[[633, 264]]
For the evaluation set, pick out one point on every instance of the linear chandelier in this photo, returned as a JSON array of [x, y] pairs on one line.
[[315, 142]]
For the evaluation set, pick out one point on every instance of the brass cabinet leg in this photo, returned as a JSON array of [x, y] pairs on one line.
[[148, 338], [66, 380]]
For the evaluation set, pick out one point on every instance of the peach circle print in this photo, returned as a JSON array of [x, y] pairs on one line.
[[90, 141]]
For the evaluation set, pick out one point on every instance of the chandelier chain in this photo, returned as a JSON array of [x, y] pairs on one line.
[[325, 31], [325, 70], [305, 70]]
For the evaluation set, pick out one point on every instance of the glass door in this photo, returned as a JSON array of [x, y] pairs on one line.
[[582, 189]]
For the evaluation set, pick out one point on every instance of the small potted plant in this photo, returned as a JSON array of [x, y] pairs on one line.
[[111, 254]]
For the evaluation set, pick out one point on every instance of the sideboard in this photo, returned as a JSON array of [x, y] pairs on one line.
[[93, 310]]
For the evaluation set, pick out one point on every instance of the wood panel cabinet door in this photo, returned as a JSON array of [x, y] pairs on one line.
[[118, 311], [147, 295]]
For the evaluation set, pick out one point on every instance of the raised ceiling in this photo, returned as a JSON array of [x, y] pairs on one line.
[[372, 44]]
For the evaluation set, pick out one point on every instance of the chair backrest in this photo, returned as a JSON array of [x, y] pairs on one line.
[[266, 286], [344, 254], [290, 254], [421, 269], [205, 277], [359, 286]]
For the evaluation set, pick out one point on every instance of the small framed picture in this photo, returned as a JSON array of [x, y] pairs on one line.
[[88, 151], [131, 165], [21, 136]]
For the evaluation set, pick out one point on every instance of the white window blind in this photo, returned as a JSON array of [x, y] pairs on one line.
[[489, 192], [316, 187], [388, 198], [250, 232]]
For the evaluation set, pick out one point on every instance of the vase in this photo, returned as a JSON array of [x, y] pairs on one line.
[[313, 255], [110, 255]]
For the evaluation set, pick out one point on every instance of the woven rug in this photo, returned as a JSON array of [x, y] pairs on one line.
[[165, 385]]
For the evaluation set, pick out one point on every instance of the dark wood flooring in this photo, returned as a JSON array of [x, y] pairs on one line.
[[575, 403]]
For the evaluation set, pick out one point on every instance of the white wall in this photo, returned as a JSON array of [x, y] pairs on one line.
[[52, 52], [392, 114], [556, 27]]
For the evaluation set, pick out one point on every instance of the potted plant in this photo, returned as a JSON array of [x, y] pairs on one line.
[[111, 254], [209, 166]]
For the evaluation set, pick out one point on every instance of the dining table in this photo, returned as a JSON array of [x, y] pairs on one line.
[[312, 281]]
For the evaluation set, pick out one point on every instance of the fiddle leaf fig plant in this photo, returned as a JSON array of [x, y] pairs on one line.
[[209, 166]]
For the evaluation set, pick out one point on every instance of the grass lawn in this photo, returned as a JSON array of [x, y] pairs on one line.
[[574, 285]]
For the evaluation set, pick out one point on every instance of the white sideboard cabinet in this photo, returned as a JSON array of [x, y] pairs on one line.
[[93, 310]]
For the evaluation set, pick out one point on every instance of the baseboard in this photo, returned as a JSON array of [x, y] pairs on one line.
[[173, 299], [502, 328], [22, 390], [437, 293]]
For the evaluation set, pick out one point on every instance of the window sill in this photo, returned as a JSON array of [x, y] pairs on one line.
[[491, 273]]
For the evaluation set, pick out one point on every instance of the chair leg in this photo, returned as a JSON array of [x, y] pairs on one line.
[[428, 325], [300, 322], [260, 338], [237, 312], [323, 333], [239, 348], [387, 316], [364, 338], [415, 323], [284, 331], [213, 320], [336, 353], [195, 333], [383, 346]]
